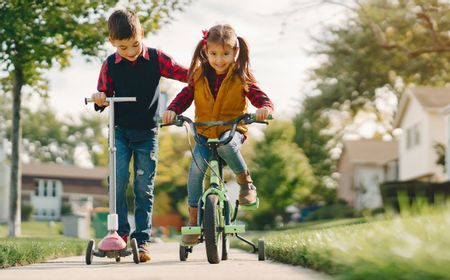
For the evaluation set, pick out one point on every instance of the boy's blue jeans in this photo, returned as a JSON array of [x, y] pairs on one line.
[[143, 146], [230, 153]]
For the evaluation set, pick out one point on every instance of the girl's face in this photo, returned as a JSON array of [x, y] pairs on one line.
[[220, 57]]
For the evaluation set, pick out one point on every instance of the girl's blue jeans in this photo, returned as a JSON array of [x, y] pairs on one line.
[[142, 145], [230, 153]]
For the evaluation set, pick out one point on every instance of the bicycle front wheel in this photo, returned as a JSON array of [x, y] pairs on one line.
[[211, 228]]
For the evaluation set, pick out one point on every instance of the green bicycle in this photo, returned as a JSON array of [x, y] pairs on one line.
[[217, 215]]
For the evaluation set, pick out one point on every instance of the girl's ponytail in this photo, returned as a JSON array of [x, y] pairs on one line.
[[198, 59], [243, 63]]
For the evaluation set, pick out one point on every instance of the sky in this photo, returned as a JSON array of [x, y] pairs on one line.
[[278, 53]]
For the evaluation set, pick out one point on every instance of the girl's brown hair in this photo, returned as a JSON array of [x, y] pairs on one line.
[[224, 35]]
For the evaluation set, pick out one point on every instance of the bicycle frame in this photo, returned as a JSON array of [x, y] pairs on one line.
[[217, 187], [215, 194]]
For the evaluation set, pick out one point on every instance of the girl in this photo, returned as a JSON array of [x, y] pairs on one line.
[[220, 80]]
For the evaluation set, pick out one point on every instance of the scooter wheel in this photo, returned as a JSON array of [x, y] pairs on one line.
[[117, 259], [184, 252], [134, 249], [90, 251], [261, 250]]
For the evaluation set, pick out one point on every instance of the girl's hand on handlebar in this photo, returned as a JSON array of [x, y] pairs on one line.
[[262, 114], [99, 99], [168, 116]]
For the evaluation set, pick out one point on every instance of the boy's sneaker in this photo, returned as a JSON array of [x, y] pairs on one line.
[[144, 254]]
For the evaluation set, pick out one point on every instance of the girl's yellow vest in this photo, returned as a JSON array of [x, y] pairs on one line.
[[230, 102]]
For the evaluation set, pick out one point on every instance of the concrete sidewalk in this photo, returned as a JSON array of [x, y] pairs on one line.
[[164, 265]]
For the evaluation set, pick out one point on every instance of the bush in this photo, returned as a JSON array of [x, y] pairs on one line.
[[393, 192], [26, 211], [261, 220], [66, 209], [333, 211]]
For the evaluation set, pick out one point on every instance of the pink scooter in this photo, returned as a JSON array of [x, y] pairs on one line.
[[112, 245]]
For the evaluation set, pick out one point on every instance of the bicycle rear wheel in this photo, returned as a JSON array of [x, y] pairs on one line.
[[212, 232]]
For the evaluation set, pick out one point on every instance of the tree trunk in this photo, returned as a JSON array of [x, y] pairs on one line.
[[15, 187]]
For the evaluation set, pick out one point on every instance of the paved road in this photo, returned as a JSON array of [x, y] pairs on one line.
[[164, 265]]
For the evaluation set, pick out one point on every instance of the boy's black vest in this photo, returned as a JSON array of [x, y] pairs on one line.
[[141, 81]]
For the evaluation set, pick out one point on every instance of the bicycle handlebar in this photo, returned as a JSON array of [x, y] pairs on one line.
[[245, 118]]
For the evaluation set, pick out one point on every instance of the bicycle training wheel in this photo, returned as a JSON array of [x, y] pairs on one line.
[[213, 235], [261, 250]]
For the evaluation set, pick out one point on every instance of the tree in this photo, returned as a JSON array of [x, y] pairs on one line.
[[36, 35], [57, 140], [426, 22], [282, 175], [173, 168], [383, 46]]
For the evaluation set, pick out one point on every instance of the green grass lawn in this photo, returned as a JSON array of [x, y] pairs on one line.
[[40, 241], [26, 250], [36, 228], [412, 246]]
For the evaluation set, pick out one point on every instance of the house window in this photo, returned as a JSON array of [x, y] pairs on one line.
[[408, 138], [417, 134], [36, 188], [46, 188], [413, 136]]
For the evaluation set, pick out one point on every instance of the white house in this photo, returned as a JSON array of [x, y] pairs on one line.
[[46, 186], [420, 116], [363, 166]]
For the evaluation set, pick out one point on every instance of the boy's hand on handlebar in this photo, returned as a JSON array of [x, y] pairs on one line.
[[168, 116], [262, 114], [99, 99]]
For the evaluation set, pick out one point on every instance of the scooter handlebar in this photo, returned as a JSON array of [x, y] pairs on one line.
[[112, 99]]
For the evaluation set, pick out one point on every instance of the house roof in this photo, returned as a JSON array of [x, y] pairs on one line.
[[371, 151], [64, 171], [430, 98]]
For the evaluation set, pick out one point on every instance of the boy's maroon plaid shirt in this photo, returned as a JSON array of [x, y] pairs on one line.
[[184, 99], [168, 68]]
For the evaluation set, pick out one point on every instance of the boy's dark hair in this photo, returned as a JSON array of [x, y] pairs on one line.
[[123, 24]]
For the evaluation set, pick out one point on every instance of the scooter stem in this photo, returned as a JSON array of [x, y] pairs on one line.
[[112, 164]]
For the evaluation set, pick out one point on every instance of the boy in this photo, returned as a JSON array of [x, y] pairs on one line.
[[134, 71]]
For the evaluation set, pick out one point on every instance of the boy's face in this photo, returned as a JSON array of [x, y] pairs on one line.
[[130, 48], [220, 57]]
